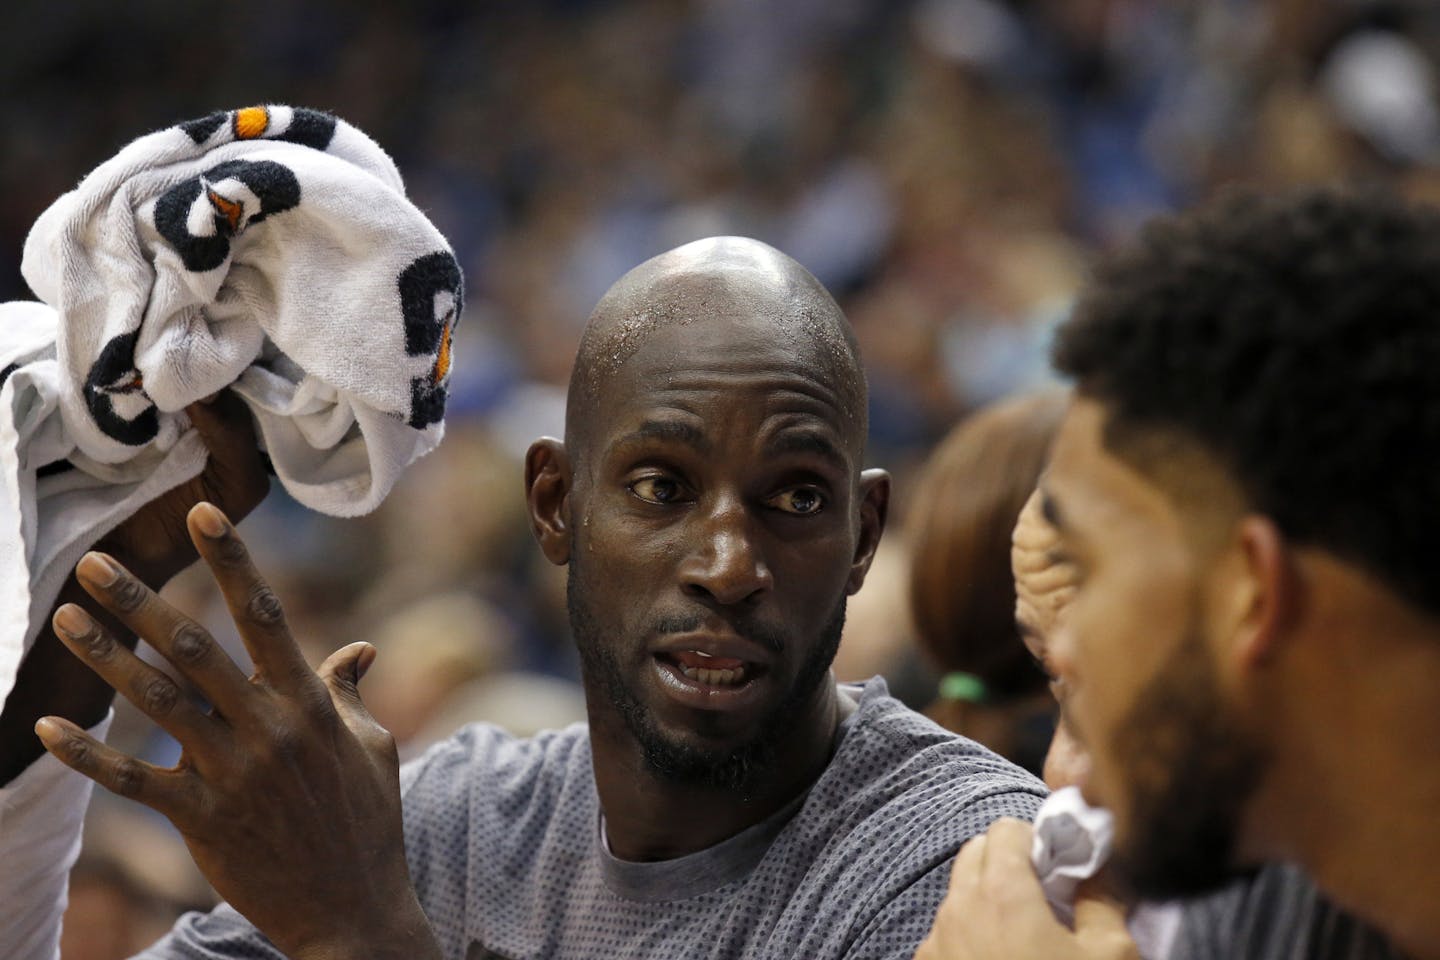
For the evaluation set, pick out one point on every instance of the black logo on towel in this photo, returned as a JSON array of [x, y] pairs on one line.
[[432, 294], [309, 128], [115, 395], [272, 188], [202, 128]]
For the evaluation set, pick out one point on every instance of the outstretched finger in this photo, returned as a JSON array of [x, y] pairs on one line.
[[179, 639], [155, 693], [253, 605], [169, 792]]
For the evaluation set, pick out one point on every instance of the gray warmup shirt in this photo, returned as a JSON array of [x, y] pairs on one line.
[[505, 847]]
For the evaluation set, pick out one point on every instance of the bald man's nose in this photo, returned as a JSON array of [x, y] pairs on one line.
[[726, 563]]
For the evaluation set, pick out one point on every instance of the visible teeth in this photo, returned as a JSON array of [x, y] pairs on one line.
[[714, 678]]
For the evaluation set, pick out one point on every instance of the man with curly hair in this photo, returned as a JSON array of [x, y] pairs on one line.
[[1248, 487]]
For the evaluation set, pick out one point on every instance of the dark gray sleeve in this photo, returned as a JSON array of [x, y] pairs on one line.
[[1277, 914], [915, 882], [896, 932]]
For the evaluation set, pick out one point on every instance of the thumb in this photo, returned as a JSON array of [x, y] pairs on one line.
[[341, 673], [223, 422], [1100, 921], [236, 465]]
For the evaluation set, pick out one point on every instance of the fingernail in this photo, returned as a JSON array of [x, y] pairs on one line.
[[48, 731], [98, 569], [72, 621], [363, 662], [210, 520]]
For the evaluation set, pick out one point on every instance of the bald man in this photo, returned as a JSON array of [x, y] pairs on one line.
[[725, 799]]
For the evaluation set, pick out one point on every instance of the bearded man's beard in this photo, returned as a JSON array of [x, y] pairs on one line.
[[734, 767], [1193, 769]]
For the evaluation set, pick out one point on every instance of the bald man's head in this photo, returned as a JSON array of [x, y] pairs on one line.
[[720, 280]]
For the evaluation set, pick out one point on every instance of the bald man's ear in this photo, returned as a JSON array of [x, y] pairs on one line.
[[547, 495], [874, 507]]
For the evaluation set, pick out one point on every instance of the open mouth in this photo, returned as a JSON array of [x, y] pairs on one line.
[[709, 670], [704, 680]]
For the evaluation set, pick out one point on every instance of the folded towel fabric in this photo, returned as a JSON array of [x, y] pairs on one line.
[[271, 250], [1071, 843]]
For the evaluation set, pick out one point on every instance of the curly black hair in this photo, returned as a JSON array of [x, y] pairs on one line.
[[1296, 338]]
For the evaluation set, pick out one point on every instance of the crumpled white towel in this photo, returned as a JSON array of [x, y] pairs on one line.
[[1072, 841], [270, 249]]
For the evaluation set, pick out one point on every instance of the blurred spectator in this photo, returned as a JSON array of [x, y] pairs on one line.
[[131, 882], [105, 919], [962, 593], [446, 661]]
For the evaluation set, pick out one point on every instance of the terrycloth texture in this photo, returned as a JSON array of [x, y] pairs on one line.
[[271, 250], [1072, 842]]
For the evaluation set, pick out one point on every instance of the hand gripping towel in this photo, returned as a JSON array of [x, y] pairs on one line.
[[271, 250], [1071, 843]]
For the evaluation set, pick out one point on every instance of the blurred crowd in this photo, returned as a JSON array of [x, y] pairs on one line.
[[946, 167]]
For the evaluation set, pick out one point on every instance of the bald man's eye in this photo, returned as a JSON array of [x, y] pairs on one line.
[[658, 490], [801, 501]]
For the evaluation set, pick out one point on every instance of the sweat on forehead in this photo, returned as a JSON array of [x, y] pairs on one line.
[[720, 279]]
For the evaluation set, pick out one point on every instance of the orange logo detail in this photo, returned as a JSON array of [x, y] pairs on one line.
[[251, 122], [442, 361], [228, 209]]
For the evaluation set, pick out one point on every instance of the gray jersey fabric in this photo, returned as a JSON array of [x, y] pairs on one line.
[[1276, 915], [505, 848]]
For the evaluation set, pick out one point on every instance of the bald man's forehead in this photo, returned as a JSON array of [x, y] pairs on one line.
[[780, 359], [715, 300]]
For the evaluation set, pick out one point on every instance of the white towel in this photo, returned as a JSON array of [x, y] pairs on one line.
[[1071, 843], [269, 249]]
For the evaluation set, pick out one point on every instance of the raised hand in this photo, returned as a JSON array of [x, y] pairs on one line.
[[996, 909], [155, 545], [287, 791]]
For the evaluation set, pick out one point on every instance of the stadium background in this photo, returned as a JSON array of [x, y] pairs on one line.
[[947, 167]]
